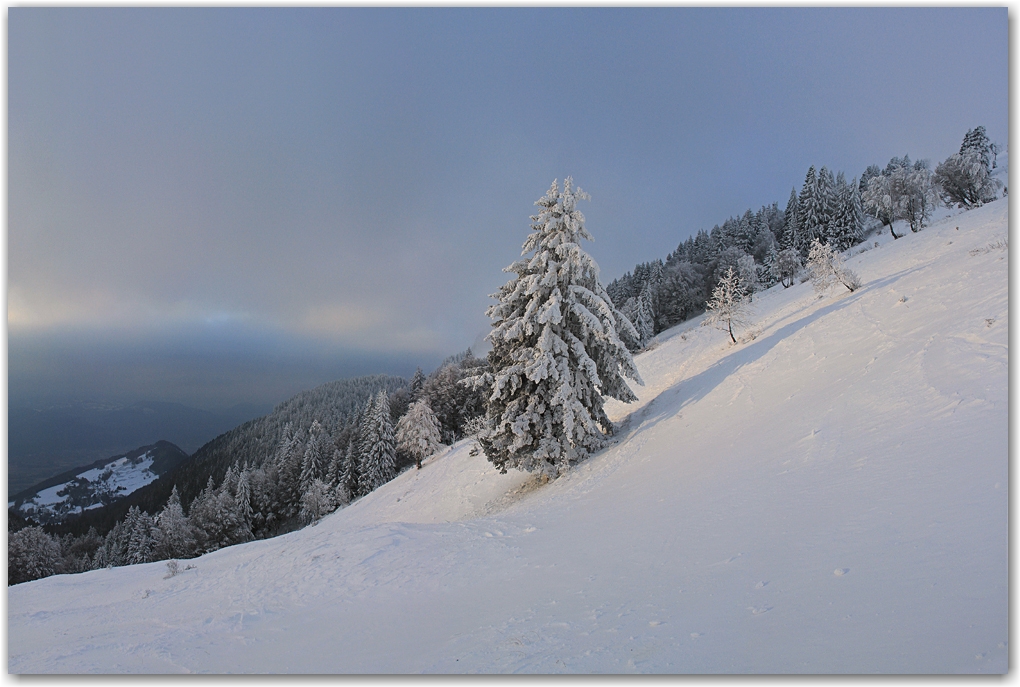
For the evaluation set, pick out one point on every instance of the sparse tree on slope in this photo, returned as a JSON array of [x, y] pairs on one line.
[[882, 200], [418, 432], [748, 273], [786, 265], [921, 195], [826, 267], [963, 179], [727, 306], [556, 349]]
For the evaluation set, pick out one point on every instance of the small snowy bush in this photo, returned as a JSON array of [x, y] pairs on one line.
[[727, 306], [826, 268]]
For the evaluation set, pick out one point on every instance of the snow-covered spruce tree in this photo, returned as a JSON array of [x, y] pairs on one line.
[[826, 267], [727, 306], [418, 432], [311, 464], [846, 226], [316, 502], [31, 554], [378, 448], [976, 141], [644, 321], [242, 498], [556, 348], [347, 489], [335, 468], [770, 269], [174, 535], [812, 209], [791, 236], [827, 198], [141, 543]]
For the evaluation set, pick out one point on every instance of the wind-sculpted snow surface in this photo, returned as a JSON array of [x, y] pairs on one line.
[[829, 495]]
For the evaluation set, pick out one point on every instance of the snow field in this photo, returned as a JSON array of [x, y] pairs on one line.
[[830, 496]]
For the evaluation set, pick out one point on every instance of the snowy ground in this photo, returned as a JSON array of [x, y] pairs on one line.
[[830, 496]]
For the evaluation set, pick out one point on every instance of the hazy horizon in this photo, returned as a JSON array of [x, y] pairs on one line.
[[218, 206]]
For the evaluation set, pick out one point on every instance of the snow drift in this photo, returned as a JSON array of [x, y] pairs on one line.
[[829, 495]]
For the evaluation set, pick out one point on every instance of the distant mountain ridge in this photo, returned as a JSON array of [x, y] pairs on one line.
[[99, 484], [334, 405], [45, 441]]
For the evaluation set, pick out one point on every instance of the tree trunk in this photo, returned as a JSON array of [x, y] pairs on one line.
[[892, 232], [729, 324]]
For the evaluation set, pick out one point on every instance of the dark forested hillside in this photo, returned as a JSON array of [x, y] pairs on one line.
[[333, 405]]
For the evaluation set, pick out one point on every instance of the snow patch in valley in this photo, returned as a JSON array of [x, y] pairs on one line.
[[114, 480]]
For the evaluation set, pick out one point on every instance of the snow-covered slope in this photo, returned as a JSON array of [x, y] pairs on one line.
[[830, 496]]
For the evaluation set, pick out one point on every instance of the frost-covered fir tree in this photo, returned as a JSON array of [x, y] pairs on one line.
[[728, 306], [644, 321], [812, 211], [556, 348], [311, 465], [417, 382], [174, 535], [827, 199], [418, 432], [791, 236], [141, 543], [846, 226], [31, 554], [976, 141], [242, 497], [316, 502], [335, 468], [347, 489], [378, 447]]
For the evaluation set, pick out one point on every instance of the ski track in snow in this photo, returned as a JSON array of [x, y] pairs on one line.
[[828, 497]]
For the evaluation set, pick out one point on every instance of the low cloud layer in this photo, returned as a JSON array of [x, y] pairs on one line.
[[352, 181]]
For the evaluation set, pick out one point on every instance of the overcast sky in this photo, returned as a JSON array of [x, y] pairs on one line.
[[222, 205]]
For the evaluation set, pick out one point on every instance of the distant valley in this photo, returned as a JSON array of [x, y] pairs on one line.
[[43, 442], [96, 485]]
